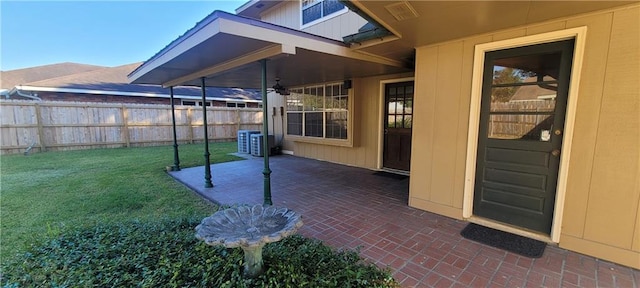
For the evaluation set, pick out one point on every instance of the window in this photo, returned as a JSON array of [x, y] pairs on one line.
[[313, 10], [318, 111], [195, 103], [236, 105]]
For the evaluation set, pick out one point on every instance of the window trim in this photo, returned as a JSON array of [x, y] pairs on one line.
[[236, 103], [322, 140], [197, 103], [321, 19]]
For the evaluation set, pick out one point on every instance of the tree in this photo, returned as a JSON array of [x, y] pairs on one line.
[[506, 75]]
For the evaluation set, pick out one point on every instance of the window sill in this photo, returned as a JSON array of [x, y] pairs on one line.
[[321, 141]]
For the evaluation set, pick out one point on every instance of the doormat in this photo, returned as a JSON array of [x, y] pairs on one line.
[[514, 243], [391, 175]]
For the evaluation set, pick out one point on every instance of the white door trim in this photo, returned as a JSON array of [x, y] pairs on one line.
[[381, 114], [579, 34]]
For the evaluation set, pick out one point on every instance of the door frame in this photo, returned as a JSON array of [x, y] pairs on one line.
[[579, 34], [381, 110]]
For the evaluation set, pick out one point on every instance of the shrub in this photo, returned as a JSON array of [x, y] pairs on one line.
[[165, 253]]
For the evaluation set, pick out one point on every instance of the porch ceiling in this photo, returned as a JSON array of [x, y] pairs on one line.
[[226, 48], [440, 21]]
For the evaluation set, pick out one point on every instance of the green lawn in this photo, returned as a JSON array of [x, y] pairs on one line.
[[45, 194]]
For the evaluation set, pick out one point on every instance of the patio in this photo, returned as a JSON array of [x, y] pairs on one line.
[[349, 207]]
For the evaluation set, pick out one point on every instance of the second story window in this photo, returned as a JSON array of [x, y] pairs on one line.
[[313, 10]]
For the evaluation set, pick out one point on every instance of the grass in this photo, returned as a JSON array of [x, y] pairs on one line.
[[45, 194], [113, 218]]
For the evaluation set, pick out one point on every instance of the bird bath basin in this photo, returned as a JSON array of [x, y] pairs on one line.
[[249, 228]]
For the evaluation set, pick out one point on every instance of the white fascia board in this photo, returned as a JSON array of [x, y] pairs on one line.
[[187, 43], [121, 93], [246, 6], [307, 43]]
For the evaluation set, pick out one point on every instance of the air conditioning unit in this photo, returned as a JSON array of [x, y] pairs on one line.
[[244, 140], [257, 144]]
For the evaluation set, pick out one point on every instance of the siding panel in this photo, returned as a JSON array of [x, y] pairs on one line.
[[588, 113], [446, 122], [616, 165]]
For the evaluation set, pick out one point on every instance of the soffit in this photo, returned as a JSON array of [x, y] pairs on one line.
[[253, 8], [440, 21], [226, 49]]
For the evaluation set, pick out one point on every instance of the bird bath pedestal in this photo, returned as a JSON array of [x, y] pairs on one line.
[[249, 228]]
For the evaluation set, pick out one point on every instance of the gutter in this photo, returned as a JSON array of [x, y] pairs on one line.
[[17, 91], [373, 29]]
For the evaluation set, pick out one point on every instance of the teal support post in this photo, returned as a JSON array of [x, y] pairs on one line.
[[207, 162], [176, 157], [265, 139]]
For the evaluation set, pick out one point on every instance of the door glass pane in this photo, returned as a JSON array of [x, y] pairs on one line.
[[391, 121], [522, 99], [528, 68], [535, 127], [408, 121], [408, 90], [392, 106]]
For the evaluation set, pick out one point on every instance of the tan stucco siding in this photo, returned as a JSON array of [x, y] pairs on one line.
[[288, 14], [601, 211]]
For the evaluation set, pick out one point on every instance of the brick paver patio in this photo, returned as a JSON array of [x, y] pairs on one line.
[[349, 207]]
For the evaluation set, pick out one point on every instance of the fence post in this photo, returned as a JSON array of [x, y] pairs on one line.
[[190, 125], [125, 126], [39, 120], [238, 127]]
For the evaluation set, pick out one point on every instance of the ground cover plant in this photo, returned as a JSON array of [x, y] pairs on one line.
[[112, 217], [165, 253]]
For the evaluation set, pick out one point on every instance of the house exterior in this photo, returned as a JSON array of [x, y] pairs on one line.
[[520, 116], [88, 83]]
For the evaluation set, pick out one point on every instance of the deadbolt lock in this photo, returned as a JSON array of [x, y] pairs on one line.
[[557, 132]]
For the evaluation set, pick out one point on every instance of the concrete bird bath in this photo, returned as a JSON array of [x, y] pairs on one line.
[[249, 228]]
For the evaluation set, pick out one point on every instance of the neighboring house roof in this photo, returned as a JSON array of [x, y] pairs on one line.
[[113, 81], [12, 78], [534, 92]]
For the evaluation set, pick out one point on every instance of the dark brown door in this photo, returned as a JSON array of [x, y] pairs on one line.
[[398, 121], [524, 99]]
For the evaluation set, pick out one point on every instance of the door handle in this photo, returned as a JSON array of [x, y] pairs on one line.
[[386, 131], [555, 152]]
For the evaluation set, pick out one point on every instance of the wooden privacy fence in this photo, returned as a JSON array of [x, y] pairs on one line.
[[50, 126], [524, 119]]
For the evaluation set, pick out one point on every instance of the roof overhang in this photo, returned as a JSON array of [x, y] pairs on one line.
[[253, 8], [225, 50]]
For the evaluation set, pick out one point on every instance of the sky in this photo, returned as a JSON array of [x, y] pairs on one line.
[[104, 33]]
